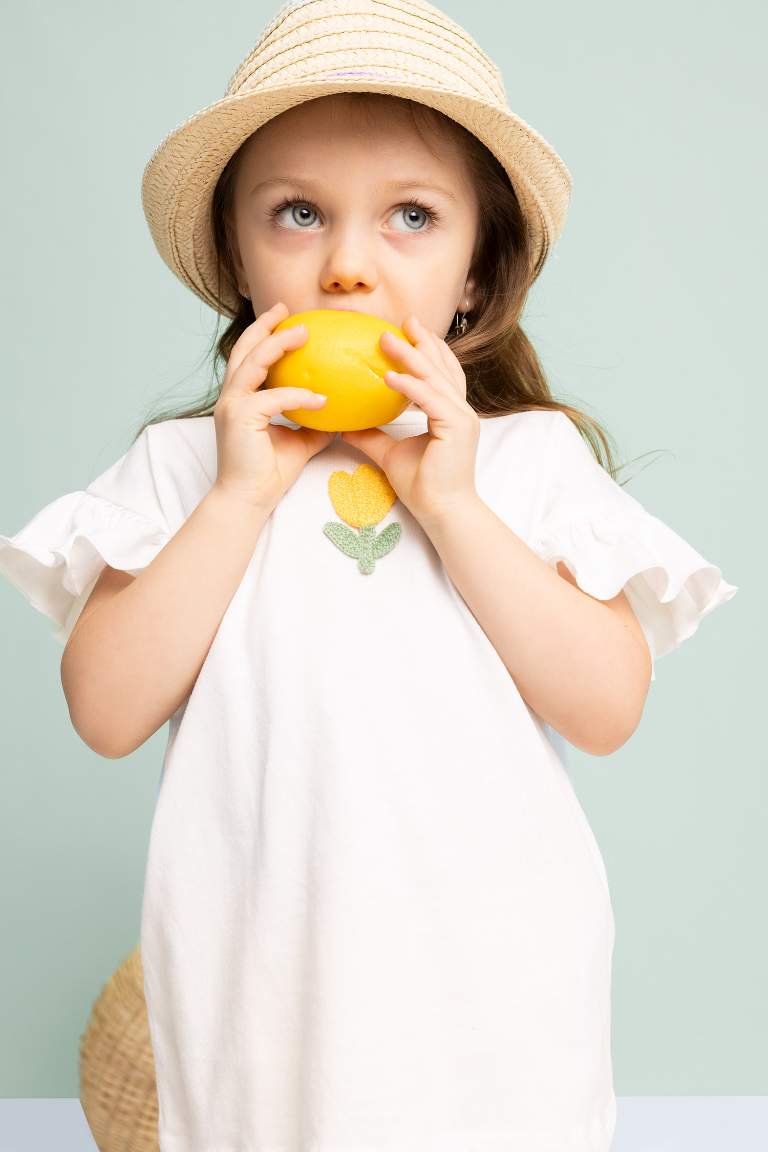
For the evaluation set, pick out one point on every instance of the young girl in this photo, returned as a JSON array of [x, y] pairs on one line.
[[375, 915]]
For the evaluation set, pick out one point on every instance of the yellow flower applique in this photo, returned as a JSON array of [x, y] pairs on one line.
[[362, 498]]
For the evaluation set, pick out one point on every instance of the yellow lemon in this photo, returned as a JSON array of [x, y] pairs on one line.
[[342, 359]]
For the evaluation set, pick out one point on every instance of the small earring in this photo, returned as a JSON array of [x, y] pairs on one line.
[[460, 326], [245, 294]]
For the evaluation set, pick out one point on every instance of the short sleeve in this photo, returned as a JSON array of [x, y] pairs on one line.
[[56, 558], [610, 542]]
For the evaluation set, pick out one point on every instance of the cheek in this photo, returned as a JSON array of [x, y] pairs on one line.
[[286, 251]]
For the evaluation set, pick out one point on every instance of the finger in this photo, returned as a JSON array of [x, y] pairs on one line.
[[272, 400], [419, 336], [446, 357], [253, 334], [415, 361], [439, 404], [450, 365], [450, 359], [373, 442], [254, 367]]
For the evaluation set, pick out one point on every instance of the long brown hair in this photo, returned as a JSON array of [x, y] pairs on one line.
[[502, 369]]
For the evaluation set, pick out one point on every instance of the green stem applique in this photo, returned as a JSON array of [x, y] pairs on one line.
[[366, 547]]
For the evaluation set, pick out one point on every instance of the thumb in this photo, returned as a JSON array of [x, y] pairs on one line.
[[316, 439], [372, 441]]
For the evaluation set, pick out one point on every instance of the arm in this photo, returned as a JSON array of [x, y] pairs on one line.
[[580, 663], [134, 657]]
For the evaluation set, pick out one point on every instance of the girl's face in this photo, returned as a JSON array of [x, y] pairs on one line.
[[353, 237]]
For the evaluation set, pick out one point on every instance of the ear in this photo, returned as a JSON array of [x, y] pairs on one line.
[[469, 293]]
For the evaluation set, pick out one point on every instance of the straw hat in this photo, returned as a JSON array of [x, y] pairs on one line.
[[312, 48], [118, 1085]]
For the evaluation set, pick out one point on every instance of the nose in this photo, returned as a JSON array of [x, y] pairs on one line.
[[347, 280], [349, 266]]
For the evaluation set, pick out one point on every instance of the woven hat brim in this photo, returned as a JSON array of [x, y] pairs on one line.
[[180, 177]]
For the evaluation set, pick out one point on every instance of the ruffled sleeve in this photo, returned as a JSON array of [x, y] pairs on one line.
[[56, 558], [610, 542]]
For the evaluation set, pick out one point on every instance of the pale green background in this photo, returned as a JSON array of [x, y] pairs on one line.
[[650, 315]]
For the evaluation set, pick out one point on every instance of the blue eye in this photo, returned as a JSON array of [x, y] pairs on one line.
[[299, 200]]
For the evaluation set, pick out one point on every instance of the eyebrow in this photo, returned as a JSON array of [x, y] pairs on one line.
[[393, 184]]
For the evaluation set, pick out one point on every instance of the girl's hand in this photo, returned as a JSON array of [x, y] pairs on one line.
[[432, 472], [258, 461]]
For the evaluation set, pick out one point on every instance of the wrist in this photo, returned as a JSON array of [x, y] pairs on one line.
[[446, 512], [237, 503]]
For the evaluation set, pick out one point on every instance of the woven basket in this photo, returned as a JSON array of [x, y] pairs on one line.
[[118, 1092]]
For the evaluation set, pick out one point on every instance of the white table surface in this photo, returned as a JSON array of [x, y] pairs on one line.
[[645, 1124]]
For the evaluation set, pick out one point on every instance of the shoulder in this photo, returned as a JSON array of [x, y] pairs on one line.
[[181, 444], [526, 433], [533, 420], [512, 471], [518, 443], [192, 430]]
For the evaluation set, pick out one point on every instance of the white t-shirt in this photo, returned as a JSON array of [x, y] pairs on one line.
[[375, 915]]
